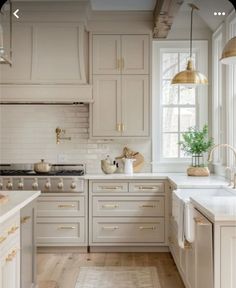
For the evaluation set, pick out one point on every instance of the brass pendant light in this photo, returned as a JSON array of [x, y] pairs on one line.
[[190, 77]]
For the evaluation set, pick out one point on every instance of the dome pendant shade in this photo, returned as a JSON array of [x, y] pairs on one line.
[[189, 77], [229, 52]]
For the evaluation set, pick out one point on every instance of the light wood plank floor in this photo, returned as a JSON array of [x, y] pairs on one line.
[[64, 268]]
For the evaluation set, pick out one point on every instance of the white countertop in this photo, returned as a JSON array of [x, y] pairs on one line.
[[217, 209], [16, 201], [181, 180]]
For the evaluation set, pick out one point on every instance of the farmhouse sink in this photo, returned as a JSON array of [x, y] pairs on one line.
[[182, 209]]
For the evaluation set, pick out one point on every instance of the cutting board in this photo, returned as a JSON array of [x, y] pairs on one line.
[[139, 159]]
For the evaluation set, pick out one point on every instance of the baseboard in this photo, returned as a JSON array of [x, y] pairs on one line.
[[104, 249], [62, 249]]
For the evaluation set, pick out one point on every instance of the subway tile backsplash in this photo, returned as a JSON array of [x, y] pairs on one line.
[[27, 134]]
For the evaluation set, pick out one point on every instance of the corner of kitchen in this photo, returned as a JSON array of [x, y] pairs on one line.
[[117, 144]]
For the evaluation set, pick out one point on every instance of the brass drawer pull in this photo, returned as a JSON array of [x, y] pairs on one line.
[[12, 230], [66, 206], [2, 239], [110, 206], [110, 187], [66, 228], [147, 206], [187, 245], [148, 188], [24, 219], [118, 127], [110, 227], [122, 127], [147, 228]]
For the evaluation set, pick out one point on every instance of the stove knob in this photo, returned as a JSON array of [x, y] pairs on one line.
[[1, 185], [60, 185], [9, 185], [48, 185], [73, 185], [20, 185], [35, 185]]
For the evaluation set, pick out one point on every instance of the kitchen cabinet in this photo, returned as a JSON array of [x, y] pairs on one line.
[[10, 253], [121, 54], [228, 257], [127, 213], [121, 82], [28, 248], [121, 106]]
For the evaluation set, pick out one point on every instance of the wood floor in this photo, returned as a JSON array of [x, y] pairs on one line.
[[64, 268]]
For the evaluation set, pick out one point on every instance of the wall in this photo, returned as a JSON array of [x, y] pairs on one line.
[[27, 134]]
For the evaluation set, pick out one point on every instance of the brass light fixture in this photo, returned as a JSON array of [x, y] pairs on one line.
[[4, 58], [229, 52], [190, 77]]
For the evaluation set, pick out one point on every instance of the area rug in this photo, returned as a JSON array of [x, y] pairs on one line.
[[118, 277]]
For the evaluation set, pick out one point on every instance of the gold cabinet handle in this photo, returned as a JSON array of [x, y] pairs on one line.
[[110, 187], [66, 206], [12, 230], [11, 255], [110, 206], [110, 227], [2, 239], [170, 240], [147, 228], [66, 227], [187, 245], [122, 63], [147, 206], [199, 221], [148, 188], [24, 219], [122, 127], [118, 64], [118, 127]]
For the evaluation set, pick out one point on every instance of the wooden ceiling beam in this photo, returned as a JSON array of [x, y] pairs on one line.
[[164, 13]]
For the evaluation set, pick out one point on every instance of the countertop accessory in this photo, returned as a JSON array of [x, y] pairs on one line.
[[42, 167], [128, 166], [60, 135], [195, 143], [139, 159], [190, 77], [230, 148], [107, 167]]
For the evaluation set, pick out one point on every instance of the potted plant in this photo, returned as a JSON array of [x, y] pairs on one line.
[[195, 143]]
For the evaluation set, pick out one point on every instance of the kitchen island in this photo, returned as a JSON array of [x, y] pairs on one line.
[[11, 240]]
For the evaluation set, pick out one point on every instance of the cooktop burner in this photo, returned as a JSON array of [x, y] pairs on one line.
[[32, 173]]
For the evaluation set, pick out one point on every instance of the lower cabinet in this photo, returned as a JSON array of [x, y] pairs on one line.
[[62, 219], [134, 216]]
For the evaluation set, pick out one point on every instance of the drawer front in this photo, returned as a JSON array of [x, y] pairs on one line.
[[109, 187], [60, 230], [121, 230], [60, 206], [152, 187], [128, 206], [10, 231]]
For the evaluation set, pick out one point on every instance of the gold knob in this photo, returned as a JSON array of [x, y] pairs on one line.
[[2, 239], [24, 219], [11, 255], [12, 230]]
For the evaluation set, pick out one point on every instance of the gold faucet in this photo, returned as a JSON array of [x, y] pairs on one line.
[[232, 149], [59, 133]]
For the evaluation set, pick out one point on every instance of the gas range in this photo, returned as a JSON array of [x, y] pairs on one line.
[[62, 178]]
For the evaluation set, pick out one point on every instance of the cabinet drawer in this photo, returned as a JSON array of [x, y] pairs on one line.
[[153, 187], [60, 230], [123, 230], [128, 206], [60, 206], [110, 187]]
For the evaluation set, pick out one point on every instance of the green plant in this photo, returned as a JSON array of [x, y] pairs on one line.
[[196, 141]]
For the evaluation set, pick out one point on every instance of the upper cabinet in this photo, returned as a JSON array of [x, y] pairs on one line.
[[53, 54], [121, 54]]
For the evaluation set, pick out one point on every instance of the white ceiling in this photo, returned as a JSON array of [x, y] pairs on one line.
[[123, 5]]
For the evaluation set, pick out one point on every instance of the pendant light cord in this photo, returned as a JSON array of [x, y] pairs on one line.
[[191, 34]]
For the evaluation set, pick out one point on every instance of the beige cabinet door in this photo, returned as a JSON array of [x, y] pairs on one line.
[[107, 106], [228, 257], [135, 105], [106, 54], [20, 71], [203, 252], [135, 54]]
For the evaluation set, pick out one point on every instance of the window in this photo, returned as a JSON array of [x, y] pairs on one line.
[[175, 108]]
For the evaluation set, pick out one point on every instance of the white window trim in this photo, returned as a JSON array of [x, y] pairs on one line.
[[201, 49]]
